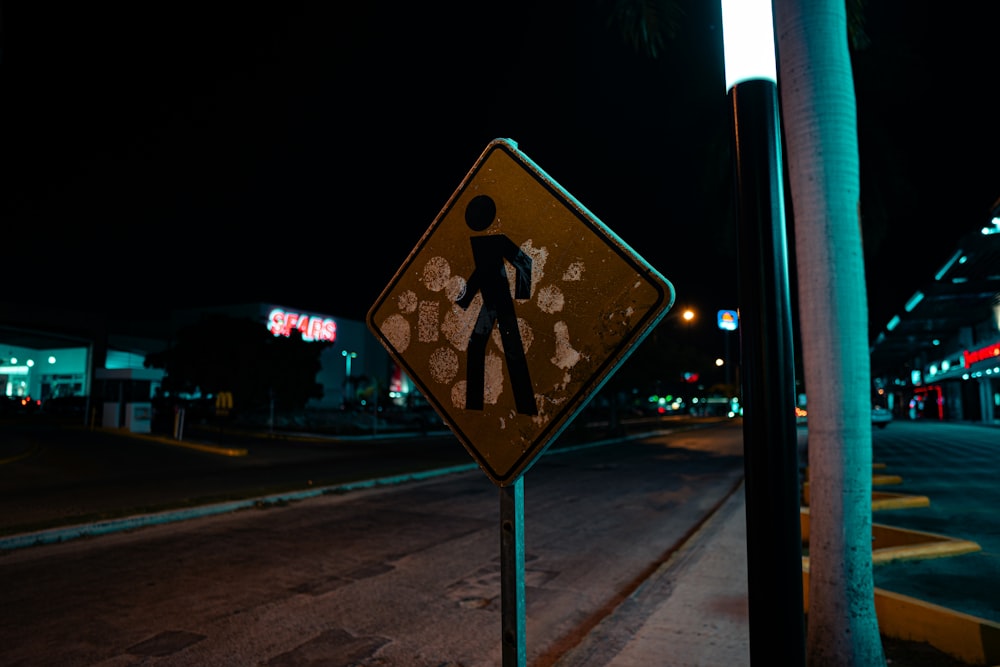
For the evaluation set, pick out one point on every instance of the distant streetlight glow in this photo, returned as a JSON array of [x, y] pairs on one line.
[[748, 41], [347, 360], [688, 315]]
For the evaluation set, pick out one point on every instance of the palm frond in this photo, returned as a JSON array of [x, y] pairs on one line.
[[856, 25], [645, 25]]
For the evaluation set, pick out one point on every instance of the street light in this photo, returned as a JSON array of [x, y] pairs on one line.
[[748, 41], [774, 546], [347, 360]]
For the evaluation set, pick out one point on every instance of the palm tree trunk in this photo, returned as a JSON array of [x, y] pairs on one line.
[[819, 117]]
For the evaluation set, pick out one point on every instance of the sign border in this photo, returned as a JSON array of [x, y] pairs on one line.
[[599, 378]]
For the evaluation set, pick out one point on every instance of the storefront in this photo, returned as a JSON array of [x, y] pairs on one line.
[[939, 357], [963, 387], [44, 373], [982, 370]]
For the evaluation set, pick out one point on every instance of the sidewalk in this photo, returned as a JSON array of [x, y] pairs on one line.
[[692, 611]]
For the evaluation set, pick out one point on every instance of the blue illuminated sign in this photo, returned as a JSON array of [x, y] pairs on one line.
[[728, 320]]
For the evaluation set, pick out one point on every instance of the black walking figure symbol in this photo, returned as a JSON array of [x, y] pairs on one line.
[[490, 278]]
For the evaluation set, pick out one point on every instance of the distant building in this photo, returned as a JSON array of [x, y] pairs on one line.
[[52, 353], [354, 352], [939, 357]]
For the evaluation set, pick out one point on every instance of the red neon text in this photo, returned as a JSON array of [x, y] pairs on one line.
[[982, 354], [312, 327]]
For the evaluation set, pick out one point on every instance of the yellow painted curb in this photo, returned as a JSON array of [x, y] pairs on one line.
[[894, 501], [211, 449], [881, 480], [890, 543], [882, 500], [974, 640], [965, 637], [875, 466], [970, 639], [19, 456]]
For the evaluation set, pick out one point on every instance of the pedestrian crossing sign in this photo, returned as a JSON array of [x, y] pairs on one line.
[[514, 308]]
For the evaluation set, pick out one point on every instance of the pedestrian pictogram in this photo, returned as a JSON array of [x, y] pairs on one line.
[[489, 278], [516, 305]]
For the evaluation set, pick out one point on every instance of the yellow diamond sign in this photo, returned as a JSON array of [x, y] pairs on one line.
[[513, 309]]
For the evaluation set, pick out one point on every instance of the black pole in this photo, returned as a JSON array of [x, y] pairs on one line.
[[774, 537]]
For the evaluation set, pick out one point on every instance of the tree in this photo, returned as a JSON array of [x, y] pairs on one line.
[[819, 120], [239, 355]]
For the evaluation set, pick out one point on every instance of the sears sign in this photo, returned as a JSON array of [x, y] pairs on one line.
[[312, 327]]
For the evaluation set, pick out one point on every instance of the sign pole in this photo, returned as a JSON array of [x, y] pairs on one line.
[[512, 574]]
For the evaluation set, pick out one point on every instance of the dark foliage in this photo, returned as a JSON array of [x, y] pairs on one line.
[[238, 355]]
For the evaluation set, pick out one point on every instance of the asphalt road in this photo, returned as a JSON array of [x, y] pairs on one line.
[[957, 468], [67, 478], [56, 475], [410, 572]]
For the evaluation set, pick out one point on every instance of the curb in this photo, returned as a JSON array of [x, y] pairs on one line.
[[970, 639], [68, 533]]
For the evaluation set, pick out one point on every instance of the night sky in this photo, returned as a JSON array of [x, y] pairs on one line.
[[205, 153]]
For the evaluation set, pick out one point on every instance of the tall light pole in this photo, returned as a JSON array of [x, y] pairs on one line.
[[348, 356], [347, 361], [774, 542]]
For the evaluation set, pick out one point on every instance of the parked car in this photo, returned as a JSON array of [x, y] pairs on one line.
[[19, 405], [801, 415], [880, 416]]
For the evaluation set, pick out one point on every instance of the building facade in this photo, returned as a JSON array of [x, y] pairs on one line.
[[939, 358], [56, 354]]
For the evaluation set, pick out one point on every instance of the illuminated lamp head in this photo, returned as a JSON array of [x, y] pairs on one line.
[[748, 41]]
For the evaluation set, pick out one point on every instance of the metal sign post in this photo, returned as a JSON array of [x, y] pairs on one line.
[[512, 311], [512, 574]]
